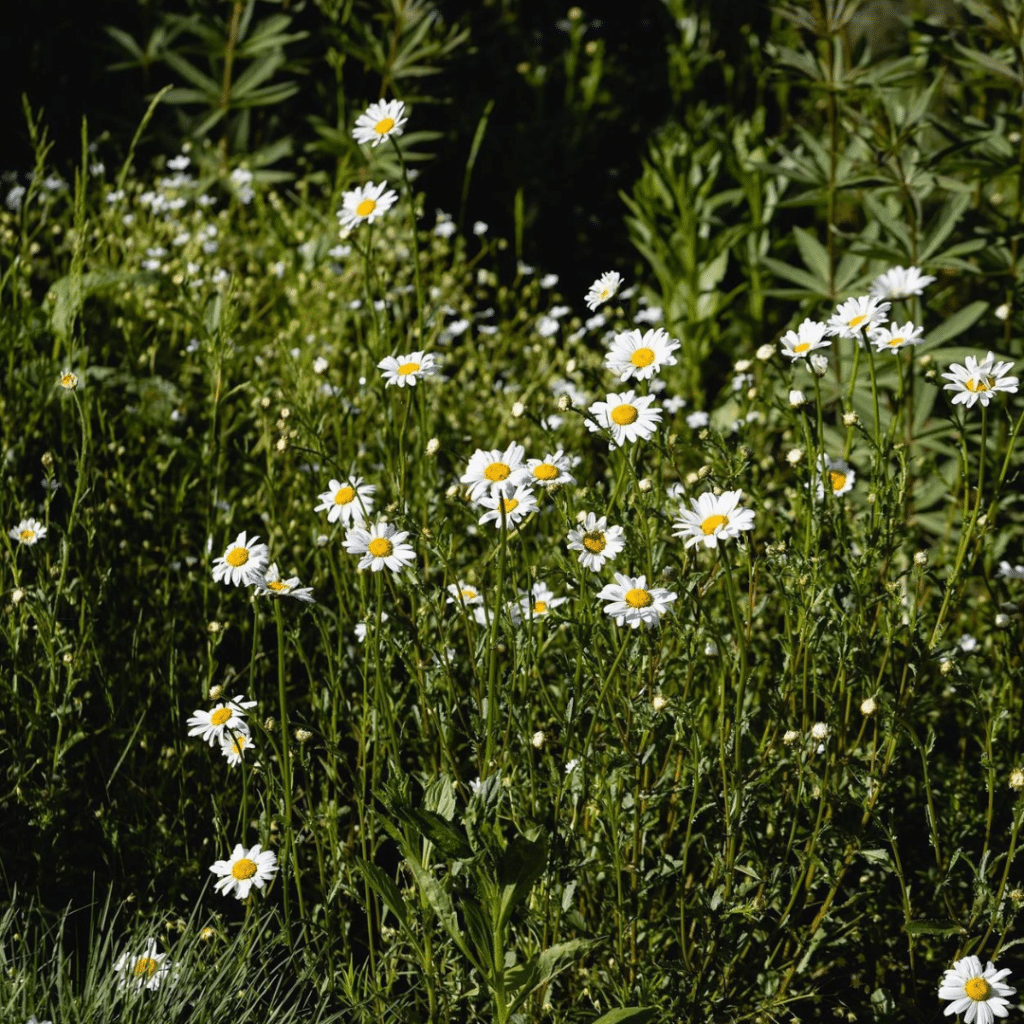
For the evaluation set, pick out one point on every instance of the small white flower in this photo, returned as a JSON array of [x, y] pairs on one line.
[[603, 289], [596, 541], [402, 370], [365, 204], [27, 532], [1010, 572], [550, 471], [632, 601], [539, 600], [513, 502], [350, 501], [698, 420], [627, 416], [810, 335], [895, 336], [235, 746], [361, 628], [549, 281], [242, 563], [819, 365], [464, 594], [226, 718], [641, 356], [857, 317], [900, 283], [713, 518], [382, 120], [978, 381], [245, 869], [979, 994], [382, 545], [490, 470], [142, 970], [837, 475], [272, 585], [797, 399]]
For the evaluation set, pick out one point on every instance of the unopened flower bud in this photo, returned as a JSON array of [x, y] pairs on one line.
[[564, 402], [433, 446], [819, 365], [797, 398], [765, 352], [517, 410], [920, 559], [645, 485], [850, 419], [869, 706]]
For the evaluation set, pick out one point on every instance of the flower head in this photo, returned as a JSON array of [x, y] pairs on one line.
[[977, 381], [980, 995], [631, 601], [68, 380], [596, 541], [513, 503], [836, 476], [895, 336], [713, 518], [857, 317], [539, 600], [641, 356], [350, 501], [382, 120], [464, 594], [27, 532], [550, 471], [402, 370], [382, 546], [627, 416], [271, 584], [244, 869], [603, 289], [142, 970], [223, 720], [809, 336], [491, 470], [235, 746], [900, 283], [365, 204], [242, 563]]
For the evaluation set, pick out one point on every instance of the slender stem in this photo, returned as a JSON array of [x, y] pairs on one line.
[[492, 670], [286, 770]]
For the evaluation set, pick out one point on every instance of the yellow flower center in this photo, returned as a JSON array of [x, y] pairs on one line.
[[277, 585], [383, 127], [856, 321], [594, 541], [243, 868], [545, 471], [623, 415], [540, 607], [896, 342], [712, 523], [69, 380], [237, 557], [497, 471], [406, 368], [980, 385], [802, 347], [468, 595], [365, 208], [978, 989], [379, 547], [145, 967], [238, 742], [637, 598], [605, 293], [837, 479], [642, 357], [220, 716], [344, 496], [27, 535], [509, 504]]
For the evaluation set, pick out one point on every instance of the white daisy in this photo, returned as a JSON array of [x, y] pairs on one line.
[[27, 532], [627, 416], [381, 121], [641, 356], [515, 500], [382, 545], [603, 289], [855, 318], [900, 283], [596, 541], [713, 518], [235, 746], [977, 381], [980, 995], [895, 336], [223, 720], [1010, 572], [550, 471], [809, 336], [837, 475], [350, 501], [539, 600], [491, 470], [244, 869], [68, 380], [631, 600], [365, 204], [142, 970], [402, 370], [271, 584], [242, 563], [464, 594]]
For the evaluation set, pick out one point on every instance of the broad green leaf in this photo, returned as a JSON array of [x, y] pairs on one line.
[[384, 886], [192, 74], [955, 325], [942, 225], [521, 864], [933, 928], [627, 1015], [814, 255]]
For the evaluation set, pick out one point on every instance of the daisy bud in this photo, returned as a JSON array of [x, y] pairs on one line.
[[207, 933], [765, 352], [433, 446], [790, 737], [658, 702], [17, 595], [704, 472], [213, 627], [517, 410], [925, 360], [920, 559], [303, 735], [452, 491], [1017, 895], [215, 692], [819, 365], [742, 366], [794, 455], [1003, 311], [797, 398], [570, 367], [692, 478], [872, 499], [264, 403], [645, 485], [1017, 779], [820, 731], [47, 460], [321, 540], [869, 706], [575, 13], [564, 402], [538, 739], [711, 649], [270, 725], [320, 365], [850, 419], [751, 393], [1002, 621], [282, 444], [946, 667]]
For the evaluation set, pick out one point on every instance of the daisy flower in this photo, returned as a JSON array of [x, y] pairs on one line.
[[603, 289], [381, 546], [836, 475], [628, 416], [365, 204], [547, 472], [28, 531], [272, 585], [402, 370], [856, 317], [1010, 572], [464, 594], [381, 121], [244, 869], [805, 339], [980, 995], [633, 354], [516, 500], [235, 746], [713, 518], [977, 381], [142, 970], [596, 541], [224, 719], [900, 283], [350, 501], [490, 470], [894, 337], [539, 600], [68, 380], [242, 563], [630, 600]]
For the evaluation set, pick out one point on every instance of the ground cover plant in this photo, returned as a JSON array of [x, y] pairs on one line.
[[392, 634]]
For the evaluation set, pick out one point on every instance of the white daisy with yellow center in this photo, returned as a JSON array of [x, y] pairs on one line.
[[837, 477], [539, 600], [713, 518], [810, 335], [596, 541], [856, 318], [68, 380], [551, 471], [406, 370], [628, 417], [235, 746], [271, 585], [632, 602], [900, 283], [511, 504], [145, 969], [382, 546], [489, 471], [464, 594], [349, 500], [603, 289], [896, 336], [365, 204], [27, 532], [242, 563], [225, 719], [978, 380], [245, 869], [641, 356], [382, 120], [979, 994]]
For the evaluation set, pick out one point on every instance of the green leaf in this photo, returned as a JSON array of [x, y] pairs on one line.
[[384, 886], [807, 281], [814, 255], [955, 325], [65, 298], [942, 225], [933, 928], [192, 74], [540, 969], [521, 864], [627, 1015]]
